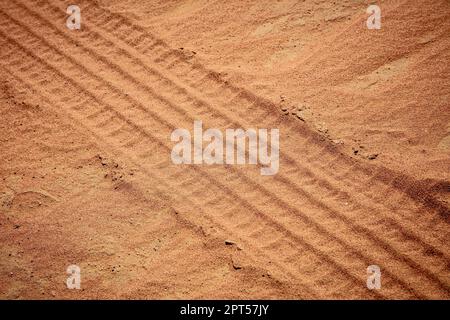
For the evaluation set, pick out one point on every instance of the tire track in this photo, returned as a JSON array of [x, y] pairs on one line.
[[116, 25], [107, 118], [291, 208], [18, 83], [370, 235], [248, 205], [282, 272], [275, 251], [196, 180], [200, 183], [343, 195]]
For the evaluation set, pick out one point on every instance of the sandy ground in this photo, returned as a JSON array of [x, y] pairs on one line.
[[86, 176]]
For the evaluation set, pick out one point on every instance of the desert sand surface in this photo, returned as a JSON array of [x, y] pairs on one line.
[[86, 176]]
